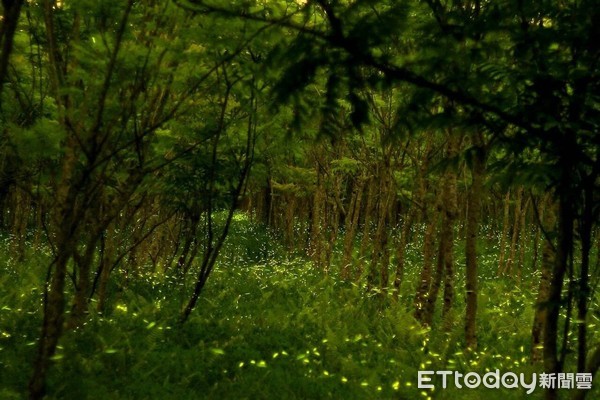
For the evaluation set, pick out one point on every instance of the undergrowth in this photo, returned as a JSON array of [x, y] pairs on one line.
[[267, 326]]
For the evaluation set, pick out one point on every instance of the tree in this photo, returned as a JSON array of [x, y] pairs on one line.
[[531, 77], [106, 129], [8, 26]]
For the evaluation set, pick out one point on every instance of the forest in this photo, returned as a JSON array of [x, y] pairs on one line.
[[299, 199]]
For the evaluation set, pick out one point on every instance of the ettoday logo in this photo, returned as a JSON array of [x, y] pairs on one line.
[[508, 380]]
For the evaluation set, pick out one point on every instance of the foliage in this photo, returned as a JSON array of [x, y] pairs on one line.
[[338, 142], [266, 328]]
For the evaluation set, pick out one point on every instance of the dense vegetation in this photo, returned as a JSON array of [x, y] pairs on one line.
[[267, 326], [297, 199]]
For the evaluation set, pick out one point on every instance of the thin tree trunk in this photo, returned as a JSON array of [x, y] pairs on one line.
[[563, 251], [503, 238], [80, 300], [412, 215], [335, 211], [316, 249], [583, 293], [436, 283], [379, 256], [401, 251], [450, 208], [592, 368], [426, 272], [105, 270], [548, 260], [19, 226], [536, 240], [366, 235], [214, 245], [289, 213], [213, 249], [510, 263], [523, 241], [472, 228], [352, 226]]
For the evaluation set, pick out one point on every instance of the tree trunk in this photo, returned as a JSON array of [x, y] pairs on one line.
[[592, 367], [401, 251], [524, 238], [289, 213], [366, 234], [334, 212], [563, 251], [317, 239], [54, 296], [548, 259], [105, 270], [510, 263], [583, 294], [450, 209], [53, 323], [80, 300], [426, 272], [380, 256], [436, 283], [8, 27], [536, 238], [352, 226], [19, 223], [505, 228], [472, 233], [415, 210]]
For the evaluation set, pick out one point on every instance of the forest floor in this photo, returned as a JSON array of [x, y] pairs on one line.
[[267, 326]]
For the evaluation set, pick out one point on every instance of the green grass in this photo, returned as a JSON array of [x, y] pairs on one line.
[[266, 327]]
